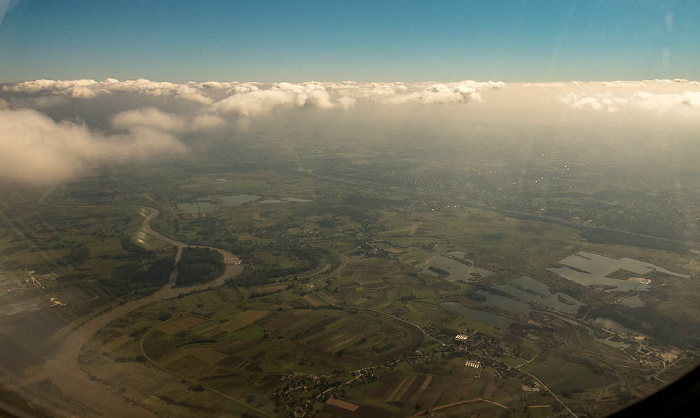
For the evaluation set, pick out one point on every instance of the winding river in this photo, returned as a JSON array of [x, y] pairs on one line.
[[63, 368]]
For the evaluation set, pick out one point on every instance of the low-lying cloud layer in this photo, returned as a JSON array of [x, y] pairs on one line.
[[90, 88], [687, 102], [251, 99], [35, 149], [147, 117], [142, 118]]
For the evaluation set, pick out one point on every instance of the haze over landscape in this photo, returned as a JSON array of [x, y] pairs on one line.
[[477, 208], [51, 130]]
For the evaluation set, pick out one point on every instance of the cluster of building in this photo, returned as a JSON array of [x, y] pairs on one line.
[[17, 282], [474, 364], [535, 387]]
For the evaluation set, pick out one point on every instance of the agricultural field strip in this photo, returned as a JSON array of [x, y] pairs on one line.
[[193, 382], [435, 339], [401, 389], [379, 312], [342, 404]]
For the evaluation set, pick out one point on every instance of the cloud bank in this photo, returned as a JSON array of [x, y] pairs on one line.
[[252, 99], [87, 88], [143, 119], [687, 103], [35, 149], [148, 117]]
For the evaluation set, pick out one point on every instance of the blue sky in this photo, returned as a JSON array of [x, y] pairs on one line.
[[350, 40]]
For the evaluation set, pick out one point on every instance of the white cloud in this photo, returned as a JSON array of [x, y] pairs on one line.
[[35, 149], [151, 117], [439, 94], [557, 85], [347, 102], [236, 88], [601, 101], [148, 117], [74, 88], [252, 99], [209, 101], [44, 102], [207, 121], [90, 88], [623, 84], [247, 99], [255, 102], [687, 103], [316, 96], [370, 91]]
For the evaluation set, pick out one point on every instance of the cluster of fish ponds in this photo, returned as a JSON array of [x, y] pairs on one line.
[[521, 296]]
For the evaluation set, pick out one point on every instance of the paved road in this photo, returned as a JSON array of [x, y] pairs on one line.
[[63, 368]]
